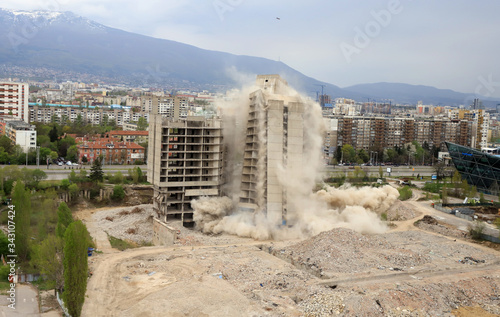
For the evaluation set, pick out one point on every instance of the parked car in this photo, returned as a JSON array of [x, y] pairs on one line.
[[60, 163], [69, 163]]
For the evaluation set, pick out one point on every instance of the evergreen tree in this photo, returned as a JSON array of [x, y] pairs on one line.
[[53, 134], [96, 173], [64, 219], [21, 199], [75, 267]]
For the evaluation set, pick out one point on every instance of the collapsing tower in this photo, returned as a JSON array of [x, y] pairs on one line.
[[273, 148]]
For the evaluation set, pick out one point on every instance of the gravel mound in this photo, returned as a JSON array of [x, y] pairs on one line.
[[130, 223], [400, 211]]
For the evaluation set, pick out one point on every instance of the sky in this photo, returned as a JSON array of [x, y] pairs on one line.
[[449, 44]]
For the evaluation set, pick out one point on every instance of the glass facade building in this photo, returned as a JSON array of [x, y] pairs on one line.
[[477, 168]]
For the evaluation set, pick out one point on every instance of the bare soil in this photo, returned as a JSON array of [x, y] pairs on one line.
[[408, 271]]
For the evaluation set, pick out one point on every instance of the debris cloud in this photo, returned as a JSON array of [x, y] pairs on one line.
[[308, 213]]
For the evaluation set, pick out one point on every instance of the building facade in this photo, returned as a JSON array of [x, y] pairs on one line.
[[274, 143], [21, 133], [477, 168], [14, 100], [110, 152], [185, 162]]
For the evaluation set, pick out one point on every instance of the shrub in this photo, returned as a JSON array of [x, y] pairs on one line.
[[117, 178], [65, 184], [476, 230], [118, 193], [405, 193], [383, 216]]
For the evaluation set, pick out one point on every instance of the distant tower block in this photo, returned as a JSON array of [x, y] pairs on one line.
[[273, 148]]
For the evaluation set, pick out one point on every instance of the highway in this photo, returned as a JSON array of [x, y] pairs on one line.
[[55, 172], [395, 171]]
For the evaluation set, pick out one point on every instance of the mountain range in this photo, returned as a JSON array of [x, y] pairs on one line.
[[67, 42]]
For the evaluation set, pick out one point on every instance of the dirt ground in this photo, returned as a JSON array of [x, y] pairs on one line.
[[409, 271]]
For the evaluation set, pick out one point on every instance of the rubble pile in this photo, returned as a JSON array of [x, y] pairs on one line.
[[127, 223], [345, 251], [400, 211]]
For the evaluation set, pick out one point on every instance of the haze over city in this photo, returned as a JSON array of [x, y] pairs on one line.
[[445, 44]]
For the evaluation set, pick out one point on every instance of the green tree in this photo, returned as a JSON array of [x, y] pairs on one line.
[[348, 153], [65, 184], [53, 134], [38, 175], [21, 199], [64, 219], [73, 190], [380, 172], [48, 258], [96, 173], [136, 174], [83, 175], [72, 154], [142, 124], [118, 193], [4, 244], [75, 267], [7, 144], [72, 176]]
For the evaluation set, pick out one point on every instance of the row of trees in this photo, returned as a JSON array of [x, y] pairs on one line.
[[412, 153], [48, 240]]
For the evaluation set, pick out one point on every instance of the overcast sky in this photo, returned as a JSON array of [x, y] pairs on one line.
[[451, 44]]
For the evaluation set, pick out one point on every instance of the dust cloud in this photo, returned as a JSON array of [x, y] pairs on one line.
[[308, 213]]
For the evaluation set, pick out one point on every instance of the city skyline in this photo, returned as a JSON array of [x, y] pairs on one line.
[[447, 45]]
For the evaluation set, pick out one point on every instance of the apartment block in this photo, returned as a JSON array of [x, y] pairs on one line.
[[373, 133], [274, 143], [185, 162], [21, 133], [14, 100]]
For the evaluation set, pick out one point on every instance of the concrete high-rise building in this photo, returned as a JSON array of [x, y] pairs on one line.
[[14, 100], [273, 147], [185, 162]]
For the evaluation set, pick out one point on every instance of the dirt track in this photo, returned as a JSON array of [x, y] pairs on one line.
[[239, 278]]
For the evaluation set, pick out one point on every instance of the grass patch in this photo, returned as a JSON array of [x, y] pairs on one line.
[[383, 216], [4, 287], [405, 193], [120, 244]]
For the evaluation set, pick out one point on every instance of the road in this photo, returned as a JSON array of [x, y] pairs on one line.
[[55, 172], [395, 171], [26, 302]]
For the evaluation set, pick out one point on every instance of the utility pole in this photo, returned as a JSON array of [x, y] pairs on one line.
[[38, 156]]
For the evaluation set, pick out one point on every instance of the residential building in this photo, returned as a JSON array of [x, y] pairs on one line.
[[274, 142], [185, 162], [21, 133], [110, 151], [129, 136], [14, 100]]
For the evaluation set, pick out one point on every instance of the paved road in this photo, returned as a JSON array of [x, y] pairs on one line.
[[395, 171], [26, 302], [55, 172]]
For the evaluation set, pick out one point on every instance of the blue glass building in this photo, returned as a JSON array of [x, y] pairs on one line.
[[477, 168]]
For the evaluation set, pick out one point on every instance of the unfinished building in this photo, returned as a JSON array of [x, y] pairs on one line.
[[273, 148], [185, 162]]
